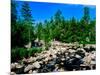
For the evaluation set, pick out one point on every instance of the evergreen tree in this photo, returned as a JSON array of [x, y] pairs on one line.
[[39, 31], [27, 18], [13, 23], [57, 24], [86, 16], [26, 12]]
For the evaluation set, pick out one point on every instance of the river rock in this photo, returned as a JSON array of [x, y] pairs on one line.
[[30, 72], [19, 66], [13, 73], [90, 48], [78, 56], [36, 64], [31, 59], [72, 51], [81, 53], [35, 71], [13, 66], [60, 57], [93, 62], [29, 67]]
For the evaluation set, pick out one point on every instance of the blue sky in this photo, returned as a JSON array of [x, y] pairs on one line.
[[43, 10]]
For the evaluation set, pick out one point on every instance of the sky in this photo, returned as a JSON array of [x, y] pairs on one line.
[[44, 11]]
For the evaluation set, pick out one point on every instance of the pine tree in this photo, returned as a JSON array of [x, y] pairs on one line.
[[26, 12], [57, 24], [39, 31], [27, 18], [13, 22], [86, 16]]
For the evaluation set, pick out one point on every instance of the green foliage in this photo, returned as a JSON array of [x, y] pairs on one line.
[[27, 17], [13, 22], [23, 30], [33, 50], [86, 16], [26, 12], [82, 31], [19, 53], [39, 31], [21, 34], [13, 12]]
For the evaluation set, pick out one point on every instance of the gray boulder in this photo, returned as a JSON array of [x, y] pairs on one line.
[[29, 67], [36, 65]]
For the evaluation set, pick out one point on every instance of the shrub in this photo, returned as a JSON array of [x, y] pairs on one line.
[[19, 53], [33, 50]]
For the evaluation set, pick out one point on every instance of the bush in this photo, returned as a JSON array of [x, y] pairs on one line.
[[34, 50], [19, 53]]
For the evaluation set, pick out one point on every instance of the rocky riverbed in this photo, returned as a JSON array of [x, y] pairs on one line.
[[60, 57]]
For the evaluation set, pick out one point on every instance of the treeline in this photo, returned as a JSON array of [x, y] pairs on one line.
[[25, 30], [58, 28]]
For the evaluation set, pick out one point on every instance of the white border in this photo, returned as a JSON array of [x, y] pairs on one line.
[[5, 37]]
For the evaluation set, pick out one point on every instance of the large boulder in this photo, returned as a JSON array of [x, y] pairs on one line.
[[13, 66], [31, 59], [29, 67], [36, 65], [89, 48], [80, 52]]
